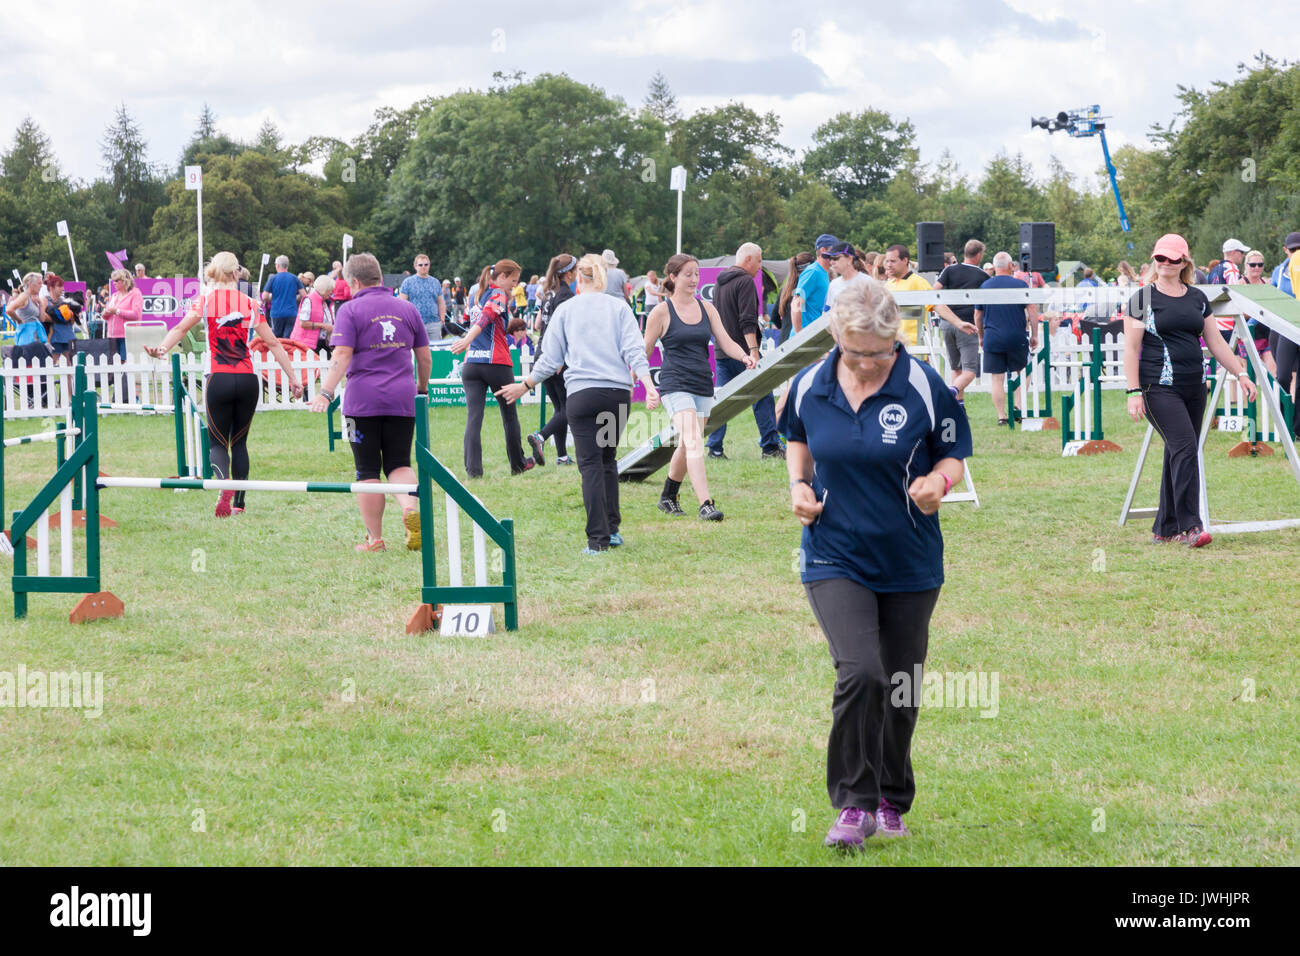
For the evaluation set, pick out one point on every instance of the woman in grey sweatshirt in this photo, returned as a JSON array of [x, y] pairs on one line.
[[595, 338]]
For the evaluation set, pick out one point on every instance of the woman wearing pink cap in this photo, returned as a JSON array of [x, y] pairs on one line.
[[1163, 325]]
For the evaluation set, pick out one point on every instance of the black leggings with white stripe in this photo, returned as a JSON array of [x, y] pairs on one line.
[[230, 399]]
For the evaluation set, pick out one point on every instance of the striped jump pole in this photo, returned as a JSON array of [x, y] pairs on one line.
[[234, 484], [58, 433]]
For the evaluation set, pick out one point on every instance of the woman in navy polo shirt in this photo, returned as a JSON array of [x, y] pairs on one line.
[[875, 440]]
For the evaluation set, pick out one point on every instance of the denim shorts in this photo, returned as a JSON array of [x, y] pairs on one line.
[[684, 401]]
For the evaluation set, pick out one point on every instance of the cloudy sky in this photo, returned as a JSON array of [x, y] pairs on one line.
[[968, 74]]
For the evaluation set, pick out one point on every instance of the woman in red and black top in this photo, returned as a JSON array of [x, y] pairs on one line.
[[488, 365], [231, 390]]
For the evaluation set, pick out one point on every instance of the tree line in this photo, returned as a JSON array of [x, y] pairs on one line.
[[529, 167]]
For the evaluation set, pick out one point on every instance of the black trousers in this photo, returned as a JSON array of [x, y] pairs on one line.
[[1176, 412], [1287, 355], [558, 426], [477, 378], [230, 400], [597, 417], [873, 637]]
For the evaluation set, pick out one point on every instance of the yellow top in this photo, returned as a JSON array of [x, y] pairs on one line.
[[908, 329]]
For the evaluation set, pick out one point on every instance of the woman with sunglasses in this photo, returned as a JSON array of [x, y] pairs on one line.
[[1164, 323], [1253, 274], [875, 440]]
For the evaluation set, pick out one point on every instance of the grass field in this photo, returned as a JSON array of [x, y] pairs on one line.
[[667, 703]]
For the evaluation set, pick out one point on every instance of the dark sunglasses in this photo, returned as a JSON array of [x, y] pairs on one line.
[[1164, 260], [1255, 265]]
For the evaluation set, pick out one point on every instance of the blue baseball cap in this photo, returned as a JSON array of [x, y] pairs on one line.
[[824, 240]]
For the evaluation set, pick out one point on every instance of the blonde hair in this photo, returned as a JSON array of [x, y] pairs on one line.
[[591, 272], [223, 267], [865, 308], [123, 274], [34, 277]]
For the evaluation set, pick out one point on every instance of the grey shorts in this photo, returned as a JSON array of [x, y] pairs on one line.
[[683, 401], [963, 349]]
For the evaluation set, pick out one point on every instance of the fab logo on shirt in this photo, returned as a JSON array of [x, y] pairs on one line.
[[892, 418]]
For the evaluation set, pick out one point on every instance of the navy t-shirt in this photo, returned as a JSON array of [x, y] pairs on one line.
[[1004, 325], [283, 287], [870, 531]]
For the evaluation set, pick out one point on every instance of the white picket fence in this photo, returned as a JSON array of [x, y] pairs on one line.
[[42, 388]]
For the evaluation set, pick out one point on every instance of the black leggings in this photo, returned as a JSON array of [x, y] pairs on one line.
[[597, 416], [558, 426], [1176, 412], [230, 399], [477, 378], [874, 637]]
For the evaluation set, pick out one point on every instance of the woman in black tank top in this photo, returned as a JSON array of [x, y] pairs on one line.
[[682, 325]]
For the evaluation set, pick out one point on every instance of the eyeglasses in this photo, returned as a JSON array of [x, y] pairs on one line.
[[873, 356], [1164, 261]]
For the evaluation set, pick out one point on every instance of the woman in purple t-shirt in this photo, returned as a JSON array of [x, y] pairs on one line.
[[374, 336]]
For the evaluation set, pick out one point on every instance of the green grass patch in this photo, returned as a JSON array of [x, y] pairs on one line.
[[667, 703]]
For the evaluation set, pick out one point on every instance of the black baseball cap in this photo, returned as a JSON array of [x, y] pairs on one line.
[[1292, 242], [841, 249]]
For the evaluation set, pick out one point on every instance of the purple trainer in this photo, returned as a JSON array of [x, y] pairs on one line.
[[889, 821], [851, 829]]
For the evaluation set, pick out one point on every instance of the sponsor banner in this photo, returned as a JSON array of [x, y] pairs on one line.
[[445, 377], [167, 299]]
